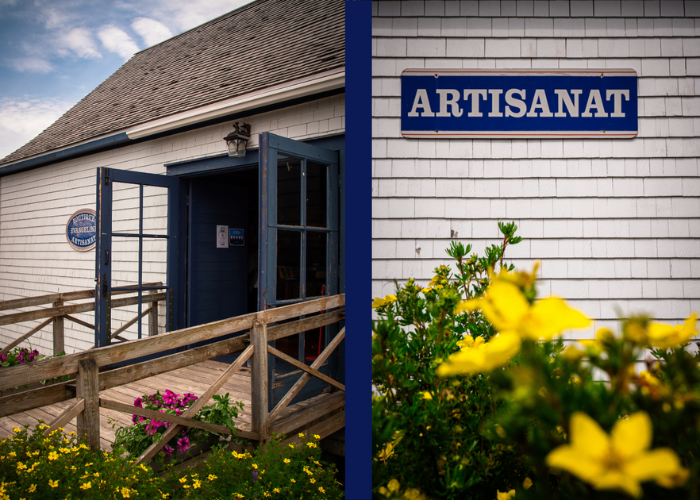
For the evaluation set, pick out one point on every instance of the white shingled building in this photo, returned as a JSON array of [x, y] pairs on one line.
[[616, 223]]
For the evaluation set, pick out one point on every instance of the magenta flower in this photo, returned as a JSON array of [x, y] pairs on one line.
[[255, 475], [138, 402], [183, 444], [168, 450], [152, 426]]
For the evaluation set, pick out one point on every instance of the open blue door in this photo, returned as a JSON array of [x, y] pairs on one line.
[[137, 252], [298, 248]]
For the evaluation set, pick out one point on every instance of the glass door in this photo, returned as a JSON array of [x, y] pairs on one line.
[[137, 253], [299, 192]]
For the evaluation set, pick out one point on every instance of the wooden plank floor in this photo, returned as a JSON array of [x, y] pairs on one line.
[[195, 379]]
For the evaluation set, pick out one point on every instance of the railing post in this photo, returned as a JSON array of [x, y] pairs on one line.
[[58, 342], [88, 388], [258, 337], [153, 318]]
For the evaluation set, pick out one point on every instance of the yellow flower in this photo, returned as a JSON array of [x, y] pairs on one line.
[[619, 461], [163, 495], [292, 480], [676, 480], [286, 460], [183, 479], [388, 299], [389, 448], [316, 436], [17, 429], [255, 466], [413, 494], [311, 445], [527, 483], [86, 486], [32, 488], [196, 484], [572, 353], [301, 434], [212, 477], [667, 336], [320, 488], [427, 395], [291, 445], [505, 495], [505, 306], [276, 490], [126, 492], [482, 357], [312, 480], [238, 495], [53, 484]]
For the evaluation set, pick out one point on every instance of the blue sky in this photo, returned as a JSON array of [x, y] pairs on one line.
[[54, 52]]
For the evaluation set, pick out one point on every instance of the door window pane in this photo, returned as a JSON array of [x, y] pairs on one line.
[[288, 191], [315, 263], [316, 194], [288, 264]]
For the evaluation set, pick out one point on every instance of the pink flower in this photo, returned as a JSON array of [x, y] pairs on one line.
[[168, 450], [138, 402], [152, 426], [183, 444]]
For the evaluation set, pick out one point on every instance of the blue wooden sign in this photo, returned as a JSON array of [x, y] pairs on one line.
[[511, 104], [236, 237], [81, 230]]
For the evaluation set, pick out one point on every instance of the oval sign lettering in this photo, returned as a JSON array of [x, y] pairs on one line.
[[81, 230]]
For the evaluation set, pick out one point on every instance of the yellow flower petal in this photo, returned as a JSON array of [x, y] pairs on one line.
[[504, 305], [551, 316], [569, 459], [616, 480], [654, 464], [632, 435], [587, 437]]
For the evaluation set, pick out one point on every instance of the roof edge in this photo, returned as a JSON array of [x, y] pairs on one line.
[[314, 84]]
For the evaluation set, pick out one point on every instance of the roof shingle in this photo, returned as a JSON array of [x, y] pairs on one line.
[[260, 45]]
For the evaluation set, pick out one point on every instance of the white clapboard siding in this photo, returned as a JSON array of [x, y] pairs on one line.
[[35, 258], [616, 224]]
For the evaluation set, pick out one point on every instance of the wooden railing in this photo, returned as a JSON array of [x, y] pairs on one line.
[[61, 311], [90, 381]]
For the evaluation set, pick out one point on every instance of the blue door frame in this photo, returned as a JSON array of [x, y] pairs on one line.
[[106, 177]]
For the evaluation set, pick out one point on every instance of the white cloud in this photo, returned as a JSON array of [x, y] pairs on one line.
[[152, 32], [23, 119], [115, 40], [181, 15], [80, 41], [31, 65]]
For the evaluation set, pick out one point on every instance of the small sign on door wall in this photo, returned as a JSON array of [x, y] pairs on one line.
[[221, 236], [81, 230], [511, 104]]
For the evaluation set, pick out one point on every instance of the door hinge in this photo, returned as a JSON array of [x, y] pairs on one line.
[[106, 177]]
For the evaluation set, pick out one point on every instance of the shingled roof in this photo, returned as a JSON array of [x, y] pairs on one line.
[[259, 45]]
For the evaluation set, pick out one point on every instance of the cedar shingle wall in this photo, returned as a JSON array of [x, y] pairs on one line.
[[616, 223], [35, 258]]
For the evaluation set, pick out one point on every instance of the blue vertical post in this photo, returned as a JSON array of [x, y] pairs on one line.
[[103, 256]]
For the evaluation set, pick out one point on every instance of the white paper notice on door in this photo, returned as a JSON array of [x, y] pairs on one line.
[[221, 236]]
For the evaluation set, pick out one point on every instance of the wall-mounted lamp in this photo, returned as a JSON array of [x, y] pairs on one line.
[[237, 140]]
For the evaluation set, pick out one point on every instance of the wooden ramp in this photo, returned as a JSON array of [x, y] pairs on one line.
[[195, 379]]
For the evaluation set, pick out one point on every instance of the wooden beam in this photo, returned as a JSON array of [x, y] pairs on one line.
[[25, 337], [153, 320], [7, 305], [69, 414], [286, 329], [181, 421], [305, 414], [65, 365], [138, 371], [130, 322], [304, 367], [294, 390], [79, 321], [197, 405], [10, 319], [58, 338], [259, 383], [27, 400], [88, 388]]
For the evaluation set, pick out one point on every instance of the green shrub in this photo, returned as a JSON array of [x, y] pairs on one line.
[[57, 466], [277, 470]]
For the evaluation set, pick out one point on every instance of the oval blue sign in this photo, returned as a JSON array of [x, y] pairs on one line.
[[81, 230]]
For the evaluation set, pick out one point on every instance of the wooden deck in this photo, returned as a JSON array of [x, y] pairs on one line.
[[195, 379]]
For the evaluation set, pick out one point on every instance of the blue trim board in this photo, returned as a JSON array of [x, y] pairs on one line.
[[358, 280], [121, 139]]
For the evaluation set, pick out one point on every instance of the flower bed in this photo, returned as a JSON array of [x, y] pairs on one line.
[[477, 396], [58, 466]]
